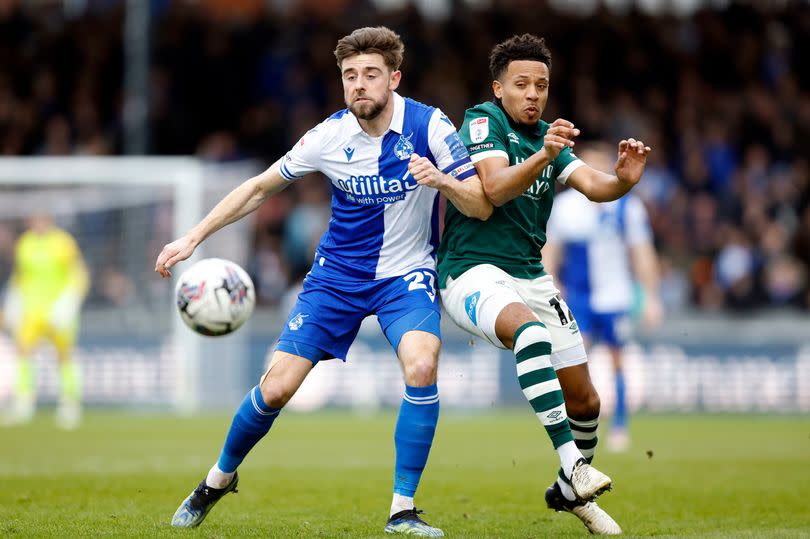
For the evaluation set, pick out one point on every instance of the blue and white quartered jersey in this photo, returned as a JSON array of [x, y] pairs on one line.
[[595, 239], [383, 223]]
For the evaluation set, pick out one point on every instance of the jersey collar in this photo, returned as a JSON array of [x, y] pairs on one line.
[[397, 120]]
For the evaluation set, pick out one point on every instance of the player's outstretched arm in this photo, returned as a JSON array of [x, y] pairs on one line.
[[503, 183], [241, 201], [601, 187], [467, 195]]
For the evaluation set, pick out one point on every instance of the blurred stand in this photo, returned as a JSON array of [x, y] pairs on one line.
[[719, 89]]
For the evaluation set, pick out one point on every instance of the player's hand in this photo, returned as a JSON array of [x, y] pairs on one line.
[[172, 253], [425, 173], [632, 160], [560, 135], [652, 313]]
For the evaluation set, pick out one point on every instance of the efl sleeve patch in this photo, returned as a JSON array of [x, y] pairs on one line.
[[479, 129]]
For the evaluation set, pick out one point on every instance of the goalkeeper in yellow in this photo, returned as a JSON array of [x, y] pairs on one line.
[[43, 299]]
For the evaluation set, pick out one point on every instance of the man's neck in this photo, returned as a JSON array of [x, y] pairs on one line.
[[379, 125]]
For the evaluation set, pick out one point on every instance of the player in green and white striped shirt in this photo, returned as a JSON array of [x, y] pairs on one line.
[[491, 277]]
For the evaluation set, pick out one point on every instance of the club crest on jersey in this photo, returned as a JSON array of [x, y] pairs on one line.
[[403, 148], [479, 129], [297, 321]]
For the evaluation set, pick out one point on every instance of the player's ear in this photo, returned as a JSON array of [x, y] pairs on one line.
[[396, 76], [497, 88]]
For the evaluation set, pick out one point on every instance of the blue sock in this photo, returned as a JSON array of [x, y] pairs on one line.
[[413, 437], [251, 422], [620, 415]]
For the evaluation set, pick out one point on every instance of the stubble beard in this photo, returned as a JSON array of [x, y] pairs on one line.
[[368, 110]]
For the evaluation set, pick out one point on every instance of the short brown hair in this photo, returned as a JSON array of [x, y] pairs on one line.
[[378, 40], [525, 47]]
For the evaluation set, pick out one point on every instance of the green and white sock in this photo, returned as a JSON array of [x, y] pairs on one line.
[[537, 379], [584, 431]]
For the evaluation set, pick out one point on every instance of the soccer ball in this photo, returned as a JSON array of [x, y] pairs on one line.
[[215, 296]]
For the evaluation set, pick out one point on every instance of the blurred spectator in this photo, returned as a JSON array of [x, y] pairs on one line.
[[722, 95]]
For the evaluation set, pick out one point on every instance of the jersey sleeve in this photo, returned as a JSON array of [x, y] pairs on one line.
[[566, 163], [447, 148], [482, 135], [636, 222], [304, 157]]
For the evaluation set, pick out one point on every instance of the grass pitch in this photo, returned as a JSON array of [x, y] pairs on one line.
[[329, 475]]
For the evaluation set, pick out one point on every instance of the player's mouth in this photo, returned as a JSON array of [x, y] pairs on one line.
[[531, 111]]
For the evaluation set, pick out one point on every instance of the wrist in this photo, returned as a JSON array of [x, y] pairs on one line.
[[195, 236], [545, 156]]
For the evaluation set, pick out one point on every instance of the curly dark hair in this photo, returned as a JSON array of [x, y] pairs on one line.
[[525, 47]]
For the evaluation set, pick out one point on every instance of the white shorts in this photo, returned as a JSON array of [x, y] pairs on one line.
[[477, 297]]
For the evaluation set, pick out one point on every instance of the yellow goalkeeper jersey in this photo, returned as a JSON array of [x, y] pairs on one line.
[[46, 264]]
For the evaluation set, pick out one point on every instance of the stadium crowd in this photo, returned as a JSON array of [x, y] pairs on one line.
[[723, 97]]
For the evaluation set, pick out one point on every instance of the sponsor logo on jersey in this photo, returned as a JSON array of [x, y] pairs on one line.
[[479, 129], [482, 146], [457, 149], [537, 189], [573, 327], [541, 185], [446, 120], [376, 189], [349, 153], [513, 138], [403, 148], [297, 321], [470, 305]]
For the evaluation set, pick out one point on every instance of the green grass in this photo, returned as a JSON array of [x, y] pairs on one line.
[[329, 475]]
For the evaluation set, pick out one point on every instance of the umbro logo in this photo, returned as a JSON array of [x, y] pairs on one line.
[[349, 153], [554, 415]]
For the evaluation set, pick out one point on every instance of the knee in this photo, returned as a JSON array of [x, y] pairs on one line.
[[421, 372], [587, 406], [275, 394]]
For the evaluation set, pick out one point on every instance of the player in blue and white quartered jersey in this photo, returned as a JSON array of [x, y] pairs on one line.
[[600, 252], [387, 159]]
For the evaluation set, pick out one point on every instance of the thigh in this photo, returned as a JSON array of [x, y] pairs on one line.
[[476, 298], [545, 300], [407, 303], [326, 317], [28, 333]]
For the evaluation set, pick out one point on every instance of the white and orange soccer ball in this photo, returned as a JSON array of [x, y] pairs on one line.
[[215, 296]]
